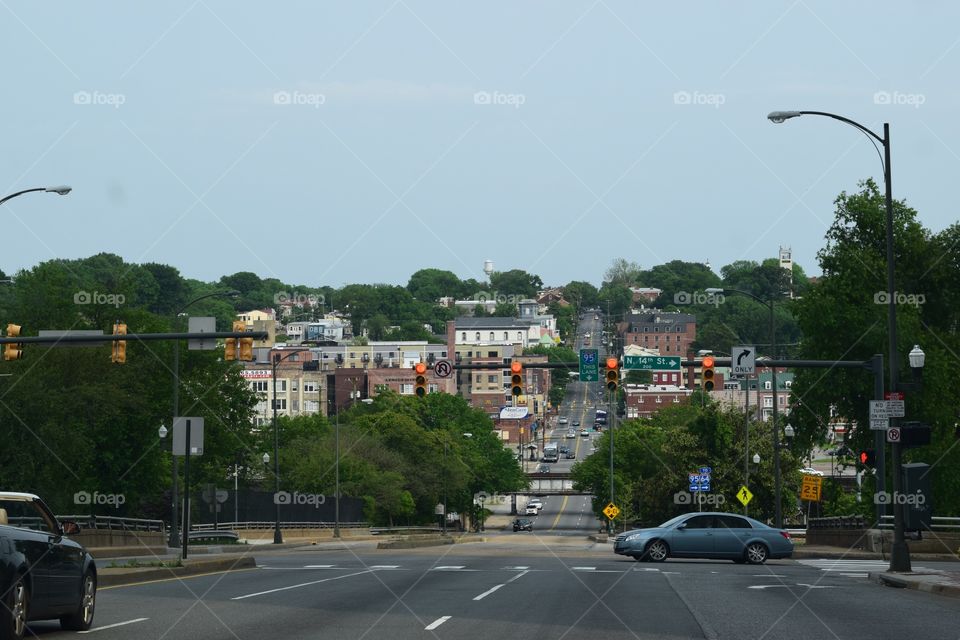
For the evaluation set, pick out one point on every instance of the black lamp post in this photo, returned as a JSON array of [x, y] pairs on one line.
[[899, 553], [174, 538], [276, 360]]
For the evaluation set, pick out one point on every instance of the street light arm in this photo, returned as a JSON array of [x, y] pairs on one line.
[[777, 117], [215, 294], [64, 190]]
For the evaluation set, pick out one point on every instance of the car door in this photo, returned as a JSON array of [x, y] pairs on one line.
[[65, 560], [729, 537], [31, 543], [694, 539]]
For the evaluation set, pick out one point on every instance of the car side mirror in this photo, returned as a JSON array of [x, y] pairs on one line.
[[682, 525], [69, 528]]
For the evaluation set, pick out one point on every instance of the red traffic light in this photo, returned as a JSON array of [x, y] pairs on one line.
[[612, 363], [708, 362], [516, 367], [420, 368]]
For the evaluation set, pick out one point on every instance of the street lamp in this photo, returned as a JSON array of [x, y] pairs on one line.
[[162, 431], [899, 552], [756, 458], [276, 360], [778, 515], [61, 190], [174, 538]]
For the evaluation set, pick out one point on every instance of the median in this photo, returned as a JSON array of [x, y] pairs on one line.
[[134, 572]]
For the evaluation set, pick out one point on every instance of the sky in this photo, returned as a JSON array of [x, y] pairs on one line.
[[324, 143]]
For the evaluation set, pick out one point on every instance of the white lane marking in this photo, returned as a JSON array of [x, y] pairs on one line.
[[855, 575], [318, 566], [114, 625], [519, 575], [799, 584], [449, 567], [384, 566], [583, 568], [769, 575], [302, 584], [488, 592], [516, 568], [436, 623]]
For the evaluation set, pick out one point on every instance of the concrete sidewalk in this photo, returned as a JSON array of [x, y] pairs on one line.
[[944, 583]]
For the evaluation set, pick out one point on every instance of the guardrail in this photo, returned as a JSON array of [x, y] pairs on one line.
[[938, 523], [381, 530], [114, 523], [838, 522], [271, 524]]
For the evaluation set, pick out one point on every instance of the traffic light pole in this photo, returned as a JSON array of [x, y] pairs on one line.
[[879, 436]]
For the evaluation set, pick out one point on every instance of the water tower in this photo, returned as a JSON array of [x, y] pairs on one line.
[[488, 267]]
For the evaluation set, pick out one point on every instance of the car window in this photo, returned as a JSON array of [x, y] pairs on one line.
[[26, 515], [733, 522], [700, 522]]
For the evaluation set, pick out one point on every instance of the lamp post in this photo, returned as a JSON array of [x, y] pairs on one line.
[[778, 513], [275, 362], [174, 538], [61, 190], [899, 552]]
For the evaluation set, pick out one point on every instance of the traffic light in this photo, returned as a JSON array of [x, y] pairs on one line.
[[707, 374], [119, 350], [516, 379], [230, 344], [246, 344], [613, 374], [867, 458], [420, 383], [13, 351]]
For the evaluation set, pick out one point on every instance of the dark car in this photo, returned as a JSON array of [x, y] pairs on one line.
[[707, 535], [570, 455], [564, 449], [43, 573], [522, 524]]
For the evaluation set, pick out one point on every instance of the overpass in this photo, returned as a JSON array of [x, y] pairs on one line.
[[557, 484]]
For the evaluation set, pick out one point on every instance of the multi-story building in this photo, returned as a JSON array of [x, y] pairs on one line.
[[670, 333], [643, 400], [757, 393], [328, 329], [300, 387]]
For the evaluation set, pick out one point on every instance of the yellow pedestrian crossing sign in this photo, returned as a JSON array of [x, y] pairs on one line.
[[611, 511], [744, 496]]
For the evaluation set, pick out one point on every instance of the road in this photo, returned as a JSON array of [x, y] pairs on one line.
[[519, 586]]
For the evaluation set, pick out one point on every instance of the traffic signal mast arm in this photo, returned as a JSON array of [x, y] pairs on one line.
[[134, 337]]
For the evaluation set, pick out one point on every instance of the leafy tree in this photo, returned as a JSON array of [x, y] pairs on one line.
[[505, 310], [581, 295], [516, 282], [429, 285], [622, 272]]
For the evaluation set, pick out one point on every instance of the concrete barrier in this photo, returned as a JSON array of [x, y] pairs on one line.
[[119, 576], [94, 538]]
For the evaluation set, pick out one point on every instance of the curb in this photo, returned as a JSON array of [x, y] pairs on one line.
[[136, 575], [414, 544], [951, 589], [799, 552]]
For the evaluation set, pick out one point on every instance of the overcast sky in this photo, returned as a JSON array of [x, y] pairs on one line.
[[332, 142]]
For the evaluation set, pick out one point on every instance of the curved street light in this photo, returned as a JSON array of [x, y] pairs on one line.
[[899, 552], [61, 190]]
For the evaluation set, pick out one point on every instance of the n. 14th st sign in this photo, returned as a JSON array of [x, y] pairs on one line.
[[651, 363]]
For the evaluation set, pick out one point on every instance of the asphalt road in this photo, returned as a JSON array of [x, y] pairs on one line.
[[527, 586]]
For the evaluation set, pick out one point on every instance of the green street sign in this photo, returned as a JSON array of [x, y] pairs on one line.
[[589, 365], [651, 363]]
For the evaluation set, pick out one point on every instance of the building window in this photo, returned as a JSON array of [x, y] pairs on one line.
[[491, 336], [310, 387], [294, 385], [393, 355], [281, 386], [505, 336], [492, 378], [767, 401], [477, 378], [668, 348], [478, 336], [659, 400], [676, 399], [491, 354], [311, 406], [281, 404], [463, 336], [406, 389], [767, 385], [519, 336], [259, 386]]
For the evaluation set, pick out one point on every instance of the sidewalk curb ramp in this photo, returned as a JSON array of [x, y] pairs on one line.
[[118, 576], [927, 582]]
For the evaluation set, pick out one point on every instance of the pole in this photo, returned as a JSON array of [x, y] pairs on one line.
[[236, 492], [746, 437], [443, 516], [277, 536], [336, 498], [778, 517], [186, 493], [900, 553], [612, 419], [879, 436], [174, 541]]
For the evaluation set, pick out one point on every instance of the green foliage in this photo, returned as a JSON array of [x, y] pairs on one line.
[[581, 295], [515, 282]]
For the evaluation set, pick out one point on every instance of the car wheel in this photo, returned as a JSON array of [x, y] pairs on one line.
[[82, 619], [756, 553], [656, 551], [13, 613]]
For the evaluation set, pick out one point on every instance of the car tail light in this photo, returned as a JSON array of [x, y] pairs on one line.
[[785, 534]]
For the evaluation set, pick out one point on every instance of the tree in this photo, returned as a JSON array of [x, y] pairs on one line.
[[622, 272], [516, 282], [581, 294], [678, 275], [429, 285], [505, 310]]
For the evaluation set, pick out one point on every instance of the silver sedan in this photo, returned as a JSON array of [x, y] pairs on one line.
[[707, 535]]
